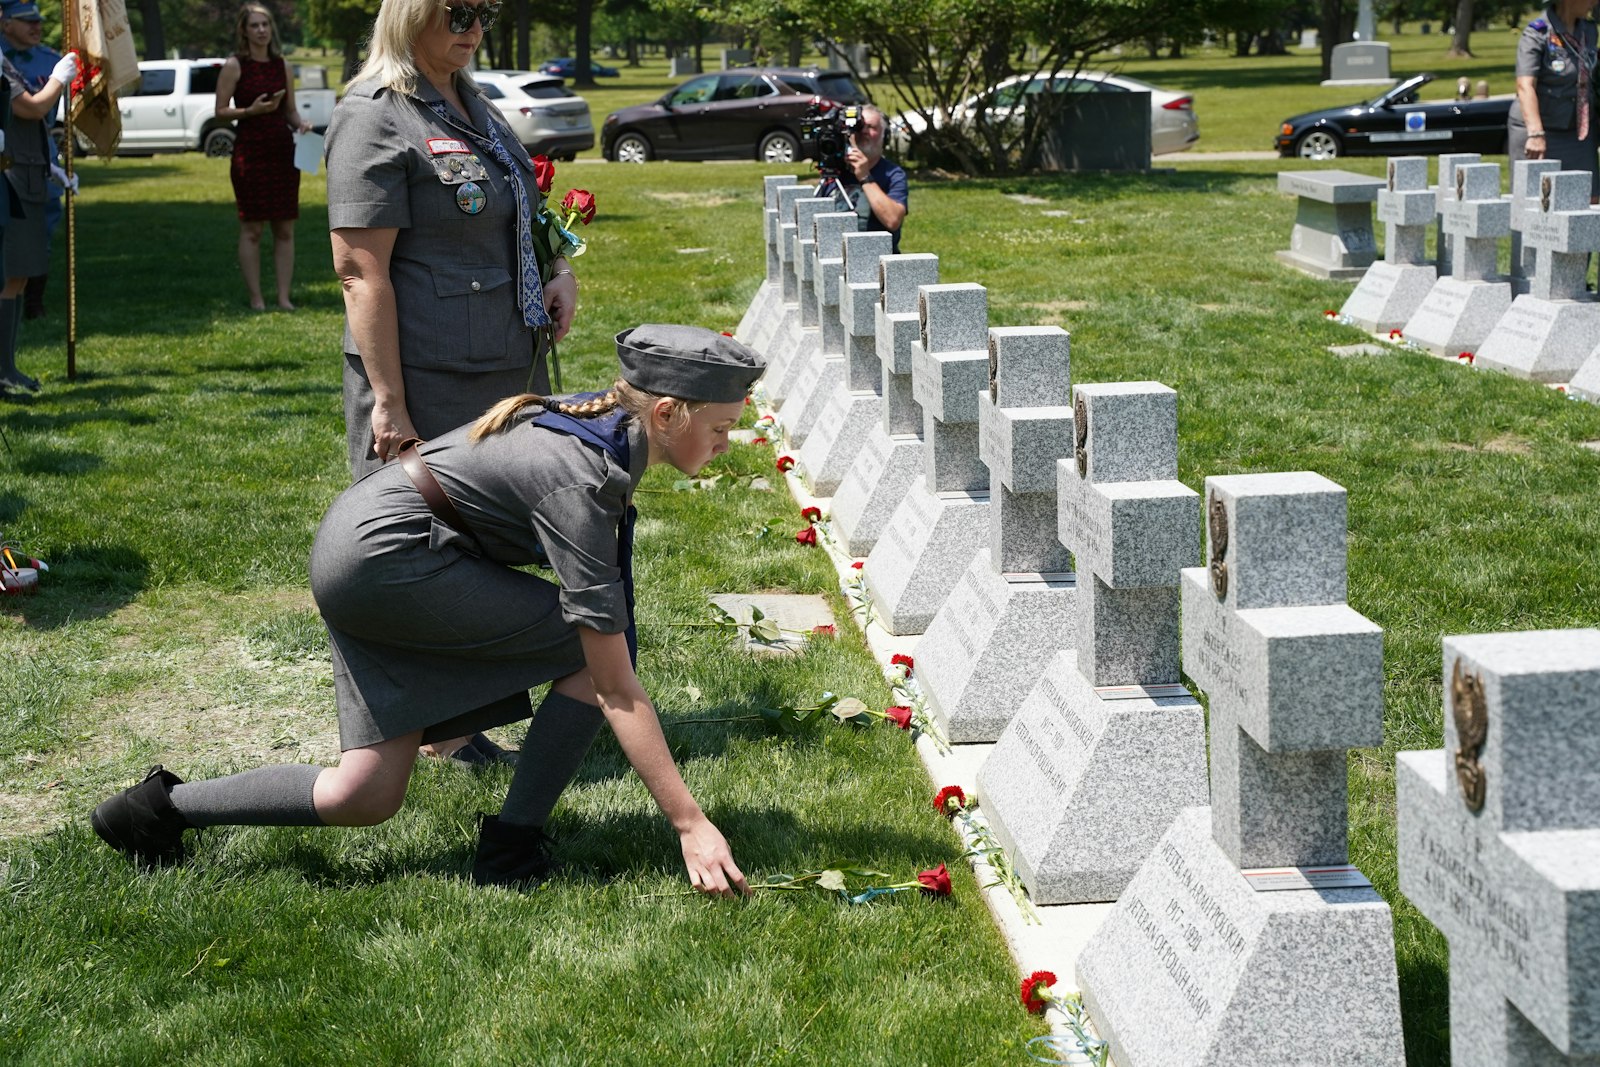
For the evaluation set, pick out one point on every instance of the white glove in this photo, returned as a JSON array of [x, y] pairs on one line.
[[66, 69], [62, 179]]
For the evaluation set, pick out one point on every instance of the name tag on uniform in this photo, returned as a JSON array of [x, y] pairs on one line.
[[439, 146]]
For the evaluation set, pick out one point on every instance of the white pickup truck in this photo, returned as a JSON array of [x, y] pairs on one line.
[[173, 109]]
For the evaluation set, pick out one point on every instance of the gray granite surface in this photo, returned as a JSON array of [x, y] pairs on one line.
[[930, 539], [872, 489]]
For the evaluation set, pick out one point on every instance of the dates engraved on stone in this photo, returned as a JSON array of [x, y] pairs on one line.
[[1470, 709]]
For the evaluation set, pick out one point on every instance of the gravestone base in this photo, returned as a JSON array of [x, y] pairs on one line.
[[760, 307], [795, 350], [810, 396], [873, 488], [930, 538], [1195, 968], [779, 348], [978, 656], [1457, 316], [1083, 783], [1585, 384], [838, 438], [1388, 295], [1542, 340]]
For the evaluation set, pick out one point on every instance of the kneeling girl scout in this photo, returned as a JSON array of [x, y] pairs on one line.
[[435, 635]]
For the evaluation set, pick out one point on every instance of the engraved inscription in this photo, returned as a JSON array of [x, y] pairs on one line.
[[993, 447], [1220, 662], [1041, 760], [1459, 882], [1193, 998], [1075, 723]]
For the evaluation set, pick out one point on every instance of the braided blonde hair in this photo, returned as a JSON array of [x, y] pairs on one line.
[[636, 402]]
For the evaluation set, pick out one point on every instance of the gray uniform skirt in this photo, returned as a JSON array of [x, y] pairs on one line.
[[1561, 145], [426, 635]]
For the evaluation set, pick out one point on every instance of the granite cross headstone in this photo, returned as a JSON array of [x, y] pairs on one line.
[[766, 307], [1461, 309], [1524, 198], [817, 379], [1443, 192], [1393, 288]]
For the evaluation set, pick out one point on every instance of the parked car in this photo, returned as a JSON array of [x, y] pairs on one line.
[[1174, 127], [1398, 122], [173, 109], [749, 112], [567, 67], [547, 117]]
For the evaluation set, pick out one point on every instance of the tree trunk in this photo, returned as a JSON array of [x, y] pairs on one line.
[[1270, 43], [352, 57], [1461, 42], [1242, 42], [794, 51], [155, 43], [1328, 34], [524, 31], [583, 22], [1176, 49]]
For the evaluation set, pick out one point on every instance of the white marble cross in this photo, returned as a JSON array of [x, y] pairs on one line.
[[949, 364], [1561, 231], [1405, 206], [898, 325], [1475, 219]]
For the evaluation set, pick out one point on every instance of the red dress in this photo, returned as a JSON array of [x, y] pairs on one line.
[[265, 181]]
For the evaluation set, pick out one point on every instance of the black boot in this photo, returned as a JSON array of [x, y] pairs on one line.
[[511, 855], [141, 823]]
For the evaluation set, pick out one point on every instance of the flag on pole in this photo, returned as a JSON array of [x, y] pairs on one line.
[[107, 61]]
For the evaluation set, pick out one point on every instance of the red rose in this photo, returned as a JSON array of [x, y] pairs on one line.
[[811, 514], [807, 536], [1032, 998], [544, 173], [900, 715], [935, 882], [858, 564], [758, 440], [949, 800], [900, 659], [1466, 357], [582, 202], [1330, 314], [826, 630], [1396, 335], [784, 463], [725, 333], [748, 400]]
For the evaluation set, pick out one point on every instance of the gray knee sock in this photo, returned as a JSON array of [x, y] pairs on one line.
[[558, 736], [266, 796]]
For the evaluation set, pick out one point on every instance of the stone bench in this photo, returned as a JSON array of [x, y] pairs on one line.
[[1332, 236]]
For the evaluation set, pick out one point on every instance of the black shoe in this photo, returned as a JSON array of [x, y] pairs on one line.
[[512, 855], [480, 752], [141, 823]]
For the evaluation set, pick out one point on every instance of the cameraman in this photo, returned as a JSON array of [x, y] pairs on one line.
[[879, 190]]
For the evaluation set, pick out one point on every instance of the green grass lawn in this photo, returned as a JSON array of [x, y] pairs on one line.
[[176, 485]]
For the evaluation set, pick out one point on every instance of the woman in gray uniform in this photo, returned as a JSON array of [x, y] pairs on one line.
[[430, 204], [1553, 115], [435, 634]]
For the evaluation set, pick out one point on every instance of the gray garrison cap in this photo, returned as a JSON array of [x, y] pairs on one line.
[[688, 362]]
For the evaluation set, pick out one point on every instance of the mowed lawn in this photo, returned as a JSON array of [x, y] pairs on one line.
[[176, 485]]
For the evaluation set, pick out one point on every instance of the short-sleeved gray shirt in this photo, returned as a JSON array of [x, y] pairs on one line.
[[1552, 57]]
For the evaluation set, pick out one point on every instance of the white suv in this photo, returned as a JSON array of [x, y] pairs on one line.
[[548, 118]]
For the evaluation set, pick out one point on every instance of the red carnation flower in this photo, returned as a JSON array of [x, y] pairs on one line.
[[544, 173], [758, 440], [1036, 991], [784, 463], [811, 514], [1465, 357], [1396, 335], [900, 715], [1330, 314], [580, 201], [825, 629], [935, 882], [949, 800], [748, 400], [858, 564], [725, 333], [807, 536], [900, 659]]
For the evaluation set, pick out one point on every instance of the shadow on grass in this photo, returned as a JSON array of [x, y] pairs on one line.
[[88, 582], [1425, 1007]]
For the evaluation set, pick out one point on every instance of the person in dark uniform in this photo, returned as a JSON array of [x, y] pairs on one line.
[[22, 41], [1553, 116], [434, 632], [430, 206]]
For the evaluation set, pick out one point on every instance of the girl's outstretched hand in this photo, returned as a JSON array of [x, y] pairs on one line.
[[710, 862]]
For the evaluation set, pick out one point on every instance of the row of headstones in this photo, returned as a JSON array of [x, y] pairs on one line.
[[1540, 321], [954, 449]]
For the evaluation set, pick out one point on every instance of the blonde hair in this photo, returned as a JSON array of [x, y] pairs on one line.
[[391, 51], [242, 42], [635, 401]]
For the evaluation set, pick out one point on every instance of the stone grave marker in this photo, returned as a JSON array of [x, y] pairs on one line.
[[784, 337], [1332, 235], [940, 523], [1524, 198], [1013, 606], [1585, 384], [1394, 287], [1201, 962], [805, 337], [1461, 308], [1444, 191], [766, 307], [1359, 63], [854, 406], [796, 615], [1549, 330], [1499, 842], [817, 379], [891, 458], [1108, 747]]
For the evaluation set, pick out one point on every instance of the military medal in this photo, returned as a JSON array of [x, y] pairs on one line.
[[470, 197]]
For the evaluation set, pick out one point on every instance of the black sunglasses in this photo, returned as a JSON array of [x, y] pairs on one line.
[[461, 17]]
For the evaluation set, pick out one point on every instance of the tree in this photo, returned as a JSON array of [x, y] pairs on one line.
[[1461, 40], [155, 42], [345, 22]]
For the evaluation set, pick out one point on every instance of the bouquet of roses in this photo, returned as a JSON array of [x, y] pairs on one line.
[[553, 228]]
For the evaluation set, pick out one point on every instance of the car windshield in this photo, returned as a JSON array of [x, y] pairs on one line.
[[1404, 93], [837, 85]]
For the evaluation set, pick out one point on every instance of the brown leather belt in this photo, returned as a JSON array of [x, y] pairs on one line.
[[433, 494]]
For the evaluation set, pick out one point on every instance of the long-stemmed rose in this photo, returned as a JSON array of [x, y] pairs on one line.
[[554, 237], [850, 882]]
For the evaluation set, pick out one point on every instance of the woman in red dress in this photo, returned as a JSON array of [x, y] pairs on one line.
[[254, 90]]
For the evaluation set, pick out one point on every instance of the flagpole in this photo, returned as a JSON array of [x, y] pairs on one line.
[[67, 25]]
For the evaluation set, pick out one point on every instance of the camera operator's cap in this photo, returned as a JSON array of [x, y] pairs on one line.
[[688, 362], [25, 10]]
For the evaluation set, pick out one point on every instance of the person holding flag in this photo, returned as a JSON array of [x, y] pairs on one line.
[[21, 41]]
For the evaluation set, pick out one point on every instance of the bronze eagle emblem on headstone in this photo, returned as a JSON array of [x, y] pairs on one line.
[[1391, 176], [1461, 184], [994, 373], [1544, 194], [1470, 709], [1080, 434], [1218, 524]]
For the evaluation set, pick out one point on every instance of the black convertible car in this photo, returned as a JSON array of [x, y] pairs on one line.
[[1397, 123]]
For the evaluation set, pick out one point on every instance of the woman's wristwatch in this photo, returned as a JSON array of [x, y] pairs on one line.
[[1535, 133]]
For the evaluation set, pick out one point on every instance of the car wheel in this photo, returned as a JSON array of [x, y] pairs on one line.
[[1318, 144], [779, 146], [568, 158], [218, 144], [631, 148]]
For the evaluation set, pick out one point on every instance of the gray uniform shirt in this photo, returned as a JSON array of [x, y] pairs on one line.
[[1551, 55], [394, 163]]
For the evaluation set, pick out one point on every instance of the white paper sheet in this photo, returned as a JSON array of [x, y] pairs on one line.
[[308, 152]]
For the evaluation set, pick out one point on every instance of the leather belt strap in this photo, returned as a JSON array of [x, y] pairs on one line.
[[433, 494]]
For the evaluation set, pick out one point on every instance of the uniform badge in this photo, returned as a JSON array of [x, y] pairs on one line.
[[440, 146], [1558, 65], [470, 197]]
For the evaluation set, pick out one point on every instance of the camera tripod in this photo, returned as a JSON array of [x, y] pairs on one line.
[[830, 185]]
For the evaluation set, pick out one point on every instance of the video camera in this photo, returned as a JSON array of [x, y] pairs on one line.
[[826, 130]]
